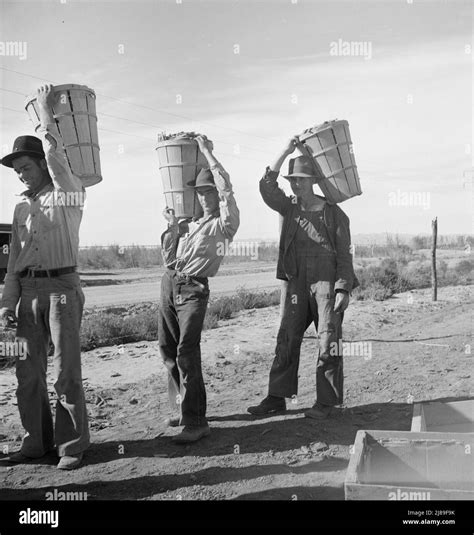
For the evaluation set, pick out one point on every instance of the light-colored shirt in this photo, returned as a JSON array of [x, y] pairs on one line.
[[45, 233], [200, 251]]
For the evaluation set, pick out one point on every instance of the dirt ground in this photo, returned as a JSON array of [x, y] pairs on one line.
[[414, 350]]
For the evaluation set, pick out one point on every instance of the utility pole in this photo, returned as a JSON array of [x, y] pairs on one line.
[[434, 280]]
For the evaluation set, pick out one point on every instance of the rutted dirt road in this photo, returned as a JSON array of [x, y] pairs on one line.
[[139, 292]]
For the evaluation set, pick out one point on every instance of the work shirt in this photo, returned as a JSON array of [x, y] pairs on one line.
[[199, 249], [328, 235], [45, 233]]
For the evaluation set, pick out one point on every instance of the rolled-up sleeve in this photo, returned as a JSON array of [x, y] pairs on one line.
[[169, 245], [272, 195], [229, 218], [58, 165], [12, 291]]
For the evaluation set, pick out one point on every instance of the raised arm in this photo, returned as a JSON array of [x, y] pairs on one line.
[[229, 212], [58, 164], [272, 194]]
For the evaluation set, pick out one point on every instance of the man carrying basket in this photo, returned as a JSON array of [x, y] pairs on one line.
[[43, 279], [192, 253], [316, 261]]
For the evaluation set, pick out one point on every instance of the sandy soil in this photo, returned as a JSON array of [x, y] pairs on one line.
[[418, 352]]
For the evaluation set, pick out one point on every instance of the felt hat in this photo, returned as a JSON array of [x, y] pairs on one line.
[[300, 166], [204, 178], [24, 146]]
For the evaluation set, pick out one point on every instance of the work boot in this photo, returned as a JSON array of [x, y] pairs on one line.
[[269, 405], [191, 433], [19, 458], [318, 411], [70, 462]]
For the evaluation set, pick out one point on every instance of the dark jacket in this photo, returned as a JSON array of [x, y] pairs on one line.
[[336, 263]]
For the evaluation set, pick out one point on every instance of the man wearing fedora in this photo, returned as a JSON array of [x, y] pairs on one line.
[[192, 253], [316, 262], [42, 279]]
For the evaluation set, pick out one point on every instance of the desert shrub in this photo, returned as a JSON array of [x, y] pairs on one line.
[[464, 267], [248, 299], [418, 274], [385, 275], [375, 291], [109, 328], [117, 257]]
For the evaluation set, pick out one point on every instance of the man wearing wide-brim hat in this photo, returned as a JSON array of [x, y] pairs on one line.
[[316, 262], [192, 253], [42, 281]]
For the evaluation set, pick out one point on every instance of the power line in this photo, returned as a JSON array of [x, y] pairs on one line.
[[149, 108], [11, 91], [143, 124], [11, 109], [150, 138]]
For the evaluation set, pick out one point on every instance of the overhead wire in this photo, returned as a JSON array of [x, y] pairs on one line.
[[148, 138], [150, 108]]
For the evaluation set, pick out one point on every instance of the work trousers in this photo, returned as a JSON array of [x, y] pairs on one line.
[[50, 310], [308, 300], [183, 305]]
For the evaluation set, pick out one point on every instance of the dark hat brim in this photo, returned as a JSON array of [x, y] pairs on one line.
[[193, 185], [302, 175], [7, 160]]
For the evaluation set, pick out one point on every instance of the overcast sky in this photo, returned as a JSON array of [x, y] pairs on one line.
[[408, 101]]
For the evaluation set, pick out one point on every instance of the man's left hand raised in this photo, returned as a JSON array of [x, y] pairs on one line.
[[45, 96]]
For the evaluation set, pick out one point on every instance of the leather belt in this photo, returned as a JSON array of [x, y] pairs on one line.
[[201, 281], [34, 273]]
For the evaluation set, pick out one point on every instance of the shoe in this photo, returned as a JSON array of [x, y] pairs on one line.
[[19, 458], [172, 422], [191, 433], [70, 462], [269, 405], [318, 412]]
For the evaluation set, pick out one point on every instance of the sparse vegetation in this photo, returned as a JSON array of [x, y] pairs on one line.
[[401, 270], [122, 325], [118, 257]]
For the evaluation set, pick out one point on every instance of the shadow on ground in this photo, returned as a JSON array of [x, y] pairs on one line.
[[147, 486]]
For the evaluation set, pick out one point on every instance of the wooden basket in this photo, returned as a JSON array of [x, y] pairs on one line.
[[75, 115], [329, 146], [180, 161]]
